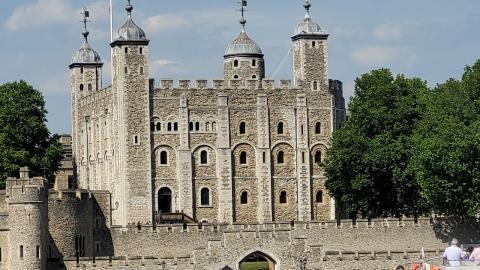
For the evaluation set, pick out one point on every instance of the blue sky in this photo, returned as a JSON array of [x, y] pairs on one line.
[[432, 39]]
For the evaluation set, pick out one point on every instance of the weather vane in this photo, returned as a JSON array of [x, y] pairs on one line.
[[243, 5], [86, 14]]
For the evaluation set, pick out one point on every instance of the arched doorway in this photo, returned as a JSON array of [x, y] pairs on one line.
[[257, 261], [165, 200]]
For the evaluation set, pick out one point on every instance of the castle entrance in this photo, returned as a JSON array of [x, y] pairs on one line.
[[257, 261], [165, 200]]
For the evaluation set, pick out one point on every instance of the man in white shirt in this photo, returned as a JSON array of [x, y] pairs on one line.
[[453, 254]]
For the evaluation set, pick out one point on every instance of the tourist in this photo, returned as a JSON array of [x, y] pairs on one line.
[[453, 254], [475, 256]]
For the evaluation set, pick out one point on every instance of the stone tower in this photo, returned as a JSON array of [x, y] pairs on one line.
[[27, 207], [310, 62], [132, 194], [243, 57], [85, 78]]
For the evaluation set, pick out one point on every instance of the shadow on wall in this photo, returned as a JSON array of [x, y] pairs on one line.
[[102, 234], [467, 232]]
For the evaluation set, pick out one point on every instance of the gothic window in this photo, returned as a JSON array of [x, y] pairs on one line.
[[318, 128], [235, 63], [283, 197], [164, 158], [315, 85], [319, 197], [190, 126], [205, 197], [318, 156], [197, 126], [169, 126], [81, 87], [281, 157], [242, 128], [175, 126], [244, 198], [254, 63], [280, 128], [89, 87], [203, 157], [243, 158], [158, 126]]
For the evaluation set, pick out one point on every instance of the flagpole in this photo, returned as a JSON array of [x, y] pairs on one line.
[[111, 38]]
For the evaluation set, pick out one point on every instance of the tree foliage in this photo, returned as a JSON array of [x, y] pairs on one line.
[[24, 137], [366, 164]]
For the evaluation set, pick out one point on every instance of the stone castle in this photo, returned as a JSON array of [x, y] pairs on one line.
[[200, 175]]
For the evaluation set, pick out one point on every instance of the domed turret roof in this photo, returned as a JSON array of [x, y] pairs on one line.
[[130, 31], [86, 55], [307, 26], [243, 45]]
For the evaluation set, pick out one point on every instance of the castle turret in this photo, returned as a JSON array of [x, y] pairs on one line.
[[85, 78], [132, 191], [310, 62], [243, 57], [27, 207]]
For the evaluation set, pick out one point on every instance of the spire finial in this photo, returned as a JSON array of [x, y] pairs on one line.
[[243, 5], [129, 8], [307, 7], [86, 14]]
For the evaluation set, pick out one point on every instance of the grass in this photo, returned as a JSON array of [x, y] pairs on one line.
[[254, 266]]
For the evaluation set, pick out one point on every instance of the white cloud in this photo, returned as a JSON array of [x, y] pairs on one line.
[[165, 22], [374, 55], [388, 32], [48, 12]]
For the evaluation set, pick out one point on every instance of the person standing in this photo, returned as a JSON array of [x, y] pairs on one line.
[[475, 256], [453, 254]]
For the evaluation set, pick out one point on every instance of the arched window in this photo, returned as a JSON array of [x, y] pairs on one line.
[[318, 156], [203, 157], [243, 158], [281, 157], [169, 126], [164, 158], [254, 77], [313, 44], [175, 126], [81, 87], [283, 197], [319, 197], [235, 63], [81, 70], [315, 85], [280, 128], [89, 87], [126, 49], [254, 63], [318, 128], [235, 76], [205, 197], [242, 129], [197, 126], [244, 198], [190, 126], [158, 126], [141, 70]]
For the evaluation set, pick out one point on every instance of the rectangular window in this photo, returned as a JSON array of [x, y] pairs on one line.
[[264, 157], [136, 140], [71, 182], [0, 254], [303, 157], [37, 253], [21, 252]]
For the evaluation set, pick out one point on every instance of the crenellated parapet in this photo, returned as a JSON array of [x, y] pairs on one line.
[[95, 97], [226, 84]]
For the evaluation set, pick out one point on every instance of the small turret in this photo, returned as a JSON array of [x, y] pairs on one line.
[[243, 57], [27, 221]]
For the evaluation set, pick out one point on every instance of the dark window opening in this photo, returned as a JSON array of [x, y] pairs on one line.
[[254, 63], [205, 197], [318, 128], [303, 157], [81, 87], [169, 126], [165, 200], [175, 126], [254, 76], [141, 50], [197, 126], [203, 157], [313, 44], [81, 70], [152, 126], [244, 198], [243, 158], [191, 126], [235, 63], [135, 139], [158, 126], [141, 70], [71, 182], [126, 49], [318, 157], [37, 252], [21, 251], [163, 158], [280, 128], [315, 85], [264, 157], [235, 76], [126, 70], [283, 197], [89, 87], [319, 197], [242, 128], [281, 157]]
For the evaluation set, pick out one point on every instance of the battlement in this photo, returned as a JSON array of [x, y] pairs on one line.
[[25, 189], [226, 84], [62, 195], [95, 96]]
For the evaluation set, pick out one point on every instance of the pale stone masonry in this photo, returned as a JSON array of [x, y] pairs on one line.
[[162, 149]]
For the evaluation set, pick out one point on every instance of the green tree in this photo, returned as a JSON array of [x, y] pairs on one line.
[[366, 164], [446, 160], [24, 137]]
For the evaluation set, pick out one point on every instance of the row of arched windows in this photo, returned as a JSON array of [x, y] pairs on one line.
[[157, 126], [282, 197], [140, 50], [209, 126], [242, 128], [89, 86]]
